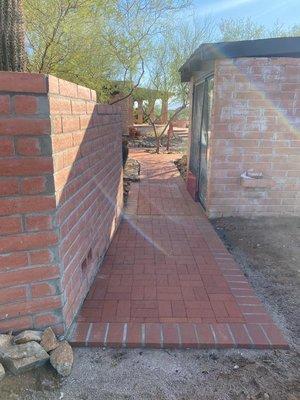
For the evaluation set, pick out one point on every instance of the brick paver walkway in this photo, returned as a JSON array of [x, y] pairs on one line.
[[167, 279]]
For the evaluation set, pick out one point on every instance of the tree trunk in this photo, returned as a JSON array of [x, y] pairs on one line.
[[170, 135], [157, 144], [12, 36]]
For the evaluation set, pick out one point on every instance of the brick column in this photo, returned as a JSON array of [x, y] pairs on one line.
[[151, 110], [30, 292], [164, 112], [60, 197], [140, 112]]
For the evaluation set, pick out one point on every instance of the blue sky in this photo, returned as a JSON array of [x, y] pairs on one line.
[[265, 12]]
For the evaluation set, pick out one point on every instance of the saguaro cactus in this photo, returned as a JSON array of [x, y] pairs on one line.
[[12, 36]]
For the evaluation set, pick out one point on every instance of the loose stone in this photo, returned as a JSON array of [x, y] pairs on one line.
[[23, 357], [49, 341], [62, 358], [28, 336]]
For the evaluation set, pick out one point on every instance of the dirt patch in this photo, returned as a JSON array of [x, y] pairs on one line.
[[164, 375], [268, 251], [178, 143]]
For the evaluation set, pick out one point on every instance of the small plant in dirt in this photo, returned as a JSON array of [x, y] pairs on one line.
[[166, 130]]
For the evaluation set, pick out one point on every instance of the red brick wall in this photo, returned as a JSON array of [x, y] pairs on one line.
[[126, 108], [60, 196], [256, 125], [86, 143], [191, 185], [29, 272], [180, 123]]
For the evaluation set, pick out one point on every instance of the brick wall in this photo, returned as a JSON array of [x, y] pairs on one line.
[[125, 105], [29, 272], [256, 125], [60, 196], [86, 142], [180, 123]]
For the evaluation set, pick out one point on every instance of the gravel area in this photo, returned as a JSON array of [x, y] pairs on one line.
[[178, 143]]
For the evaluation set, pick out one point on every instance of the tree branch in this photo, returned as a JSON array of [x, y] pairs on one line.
[[133, 87]]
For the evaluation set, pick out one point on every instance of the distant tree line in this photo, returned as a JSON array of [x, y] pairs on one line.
[[99, 42]]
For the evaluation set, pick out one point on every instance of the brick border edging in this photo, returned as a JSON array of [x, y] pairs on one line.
[[182, 335]]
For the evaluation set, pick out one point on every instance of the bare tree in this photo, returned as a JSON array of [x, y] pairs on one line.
[[248, 29], [153, 122], [166, 58], [132, 31]]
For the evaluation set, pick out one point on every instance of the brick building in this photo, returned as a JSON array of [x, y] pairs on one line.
[[244, 152], [61, 196]]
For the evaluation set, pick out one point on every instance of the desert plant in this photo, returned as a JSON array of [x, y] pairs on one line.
[[134, 133], [12, 39]]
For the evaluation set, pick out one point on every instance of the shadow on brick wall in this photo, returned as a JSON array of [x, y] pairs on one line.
[[60, 197], [87, 159]]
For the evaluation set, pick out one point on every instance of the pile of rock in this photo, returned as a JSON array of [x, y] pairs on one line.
[[31, 349], [131, 174], [181, 164], [132, 170]]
